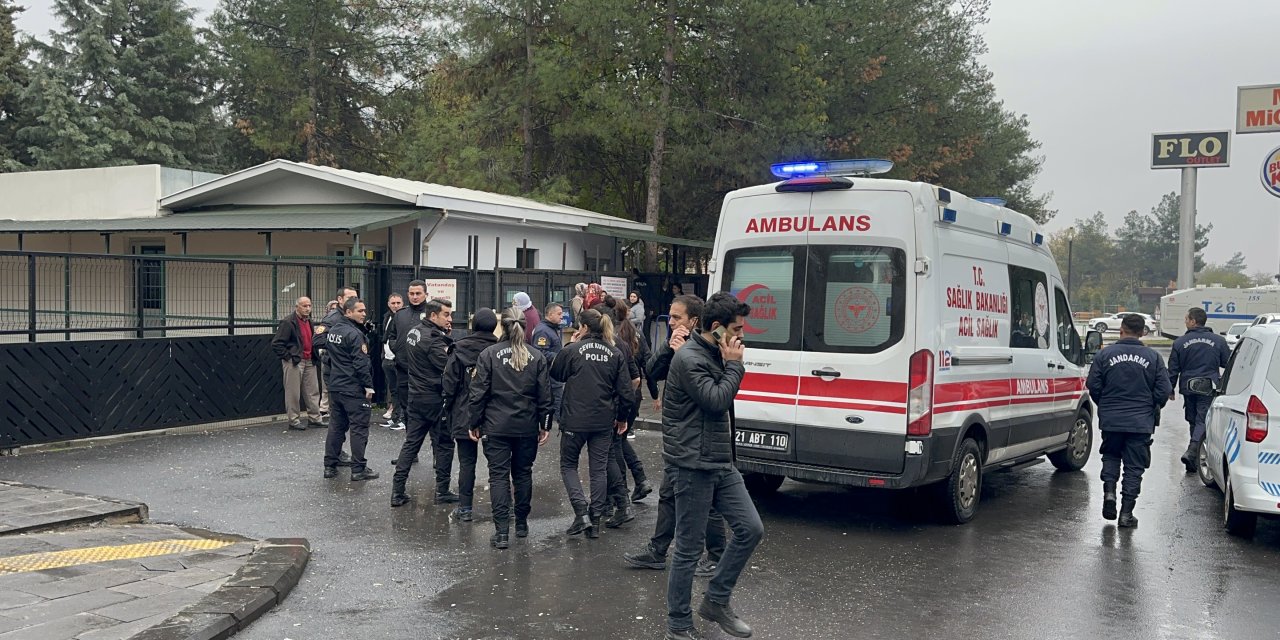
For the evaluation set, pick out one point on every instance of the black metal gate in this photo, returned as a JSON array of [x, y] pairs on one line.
[[51, 391]]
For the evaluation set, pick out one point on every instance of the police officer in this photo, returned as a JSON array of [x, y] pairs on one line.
[[454, 385], [426, 350], [350, 391], [510, 409], [1130, 385], [408, 317], [548, 338], [597, 399], [1198, 353]]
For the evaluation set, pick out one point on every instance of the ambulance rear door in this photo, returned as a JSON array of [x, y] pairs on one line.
[[762, 261], [851, 410]]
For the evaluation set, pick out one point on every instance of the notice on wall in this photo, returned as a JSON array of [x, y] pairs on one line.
[[444, 289], [616, 287]]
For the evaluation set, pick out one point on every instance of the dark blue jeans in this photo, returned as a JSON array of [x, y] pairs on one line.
[[664, 530], [1195, 408], [697, 492]]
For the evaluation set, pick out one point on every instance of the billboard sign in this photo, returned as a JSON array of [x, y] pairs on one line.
[[1271, 172], [1193, 149], [1258, 109]]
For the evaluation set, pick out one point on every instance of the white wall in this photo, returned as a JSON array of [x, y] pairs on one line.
[[449, 246], [81, 194], [282, 188]]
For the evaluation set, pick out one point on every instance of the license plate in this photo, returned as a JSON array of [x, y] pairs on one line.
[[762, 440]]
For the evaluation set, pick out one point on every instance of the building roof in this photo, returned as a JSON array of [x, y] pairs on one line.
[[458, 202], [344, 218]]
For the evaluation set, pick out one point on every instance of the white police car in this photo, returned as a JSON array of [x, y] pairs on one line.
[[1239, 455]]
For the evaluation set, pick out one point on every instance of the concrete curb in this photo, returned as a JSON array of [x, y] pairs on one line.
[[128, 512], [208, 427], [263, 582]]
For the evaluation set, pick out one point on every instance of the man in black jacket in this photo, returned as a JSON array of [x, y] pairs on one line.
[[294, 345], [411, 315], [1198, 353], [697, 446], [548, 338], [454, 385], [425, 349], [1129, 383], [350, 391], [683, 318]]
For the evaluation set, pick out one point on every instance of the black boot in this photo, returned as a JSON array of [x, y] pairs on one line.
[[580, 524], [647, 559], [593, 531], [330, 472], [1109, 500], [522, 527], [621, 515], [363, 474], [398, 495], [643, 489], [344, 459], [684, 634], [723, 615], [444, 495], [1126, 512], [501, 538], [1191, 458]]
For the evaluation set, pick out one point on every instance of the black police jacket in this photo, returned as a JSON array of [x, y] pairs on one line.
[[1129, 383], [408, 317], [697, 428], [426, 352], [1198, 353], [506, 402], [349, 370], [597, 385], [456, 380]]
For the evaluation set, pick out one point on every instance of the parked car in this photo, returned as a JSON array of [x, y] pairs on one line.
[[1267, 318], [1112, 322], [1233, 333], [1239, 455]]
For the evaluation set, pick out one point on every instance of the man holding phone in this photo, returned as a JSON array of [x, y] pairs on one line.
[[682, 317], [697, 447]]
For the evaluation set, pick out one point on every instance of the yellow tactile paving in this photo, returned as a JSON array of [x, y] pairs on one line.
[[90, 555]]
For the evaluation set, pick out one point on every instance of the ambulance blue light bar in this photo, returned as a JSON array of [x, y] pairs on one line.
[[858, 167], [999, 202]]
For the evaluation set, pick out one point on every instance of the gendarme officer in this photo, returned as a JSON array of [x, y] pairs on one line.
[[350, 391], [1130, 385], [1198, 353]]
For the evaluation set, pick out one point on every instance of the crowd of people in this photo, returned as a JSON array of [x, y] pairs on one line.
[[518, 373]]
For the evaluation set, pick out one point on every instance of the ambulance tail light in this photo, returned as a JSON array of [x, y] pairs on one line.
[[1256, 423], [920, 394]]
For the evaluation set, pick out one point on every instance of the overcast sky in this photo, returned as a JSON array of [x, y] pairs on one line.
[[1096, 78]]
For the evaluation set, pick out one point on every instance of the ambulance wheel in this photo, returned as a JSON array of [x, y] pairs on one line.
[[762, 484], [1202, 467], [1079, 442], [959, 494], [1238, 523]]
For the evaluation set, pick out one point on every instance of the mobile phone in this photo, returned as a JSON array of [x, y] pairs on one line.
[[719, 332]]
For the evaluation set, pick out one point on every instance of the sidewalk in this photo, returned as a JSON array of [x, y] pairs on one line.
[[84, 576]]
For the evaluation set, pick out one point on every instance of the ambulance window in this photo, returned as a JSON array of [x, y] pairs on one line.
[[854, 301], [767, 278], [1028, 309], [1068, 337]]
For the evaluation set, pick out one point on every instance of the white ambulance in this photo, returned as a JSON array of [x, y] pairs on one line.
[[900, 335]]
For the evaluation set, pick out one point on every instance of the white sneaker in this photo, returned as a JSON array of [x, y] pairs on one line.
[[387, 415], [399, 426], [631, 436]]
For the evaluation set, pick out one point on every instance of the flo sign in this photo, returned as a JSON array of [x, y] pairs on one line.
[[1193, 149]]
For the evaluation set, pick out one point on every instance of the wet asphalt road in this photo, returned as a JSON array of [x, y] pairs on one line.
[[1038, 562]]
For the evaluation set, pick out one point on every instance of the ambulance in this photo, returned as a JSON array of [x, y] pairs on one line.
[[900, 335]]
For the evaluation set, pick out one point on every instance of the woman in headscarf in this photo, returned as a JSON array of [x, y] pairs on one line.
[[510, 405]]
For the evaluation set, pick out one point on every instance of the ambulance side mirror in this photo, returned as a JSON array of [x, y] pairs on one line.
[[1092, 344]]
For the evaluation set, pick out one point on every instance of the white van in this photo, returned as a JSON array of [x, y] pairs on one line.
[[900, 335]]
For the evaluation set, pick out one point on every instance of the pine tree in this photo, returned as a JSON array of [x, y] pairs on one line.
[[123, 82], [13, 81]]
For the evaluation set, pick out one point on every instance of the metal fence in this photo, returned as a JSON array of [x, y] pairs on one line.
[[64, 296], [48, 296]]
